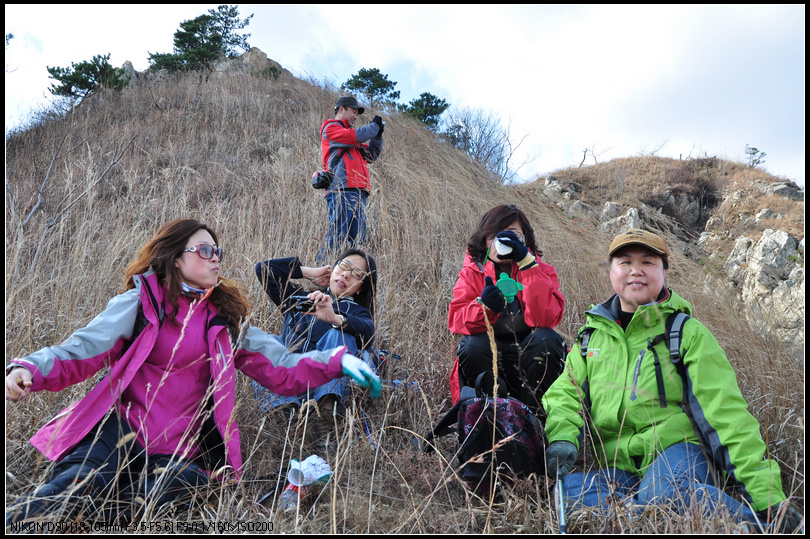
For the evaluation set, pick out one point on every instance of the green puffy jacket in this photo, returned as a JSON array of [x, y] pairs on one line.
[[618, 383]]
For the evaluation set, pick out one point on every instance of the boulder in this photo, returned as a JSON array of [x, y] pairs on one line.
[[770, 279]]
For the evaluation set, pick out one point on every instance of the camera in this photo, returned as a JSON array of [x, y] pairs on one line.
[[303, 304]]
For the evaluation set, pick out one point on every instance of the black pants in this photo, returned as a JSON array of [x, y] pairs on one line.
[[109, 464], [528, 364]]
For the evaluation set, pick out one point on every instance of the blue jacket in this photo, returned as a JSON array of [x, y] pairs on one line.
[[301, 331]]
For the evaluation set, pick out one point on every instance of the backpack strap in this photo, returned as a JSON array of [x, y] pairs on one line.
[[659, 375], [674, 332], [443, 427], [584, 339], [140, 319], [674, 337], [158, 308]]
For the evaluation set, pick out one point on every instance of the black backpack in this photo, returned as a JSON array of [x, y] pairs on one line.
[[495, 434]]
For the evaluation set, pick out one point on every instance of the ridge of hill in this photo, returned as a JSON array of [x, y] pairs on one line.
[[743, 226], [86, 188]]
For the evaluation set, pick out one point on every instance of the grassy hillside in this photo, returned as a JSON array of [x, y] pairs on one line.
[[84, 191]]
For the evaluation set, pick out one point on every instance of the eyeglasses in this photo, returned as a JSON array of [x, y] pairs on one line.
[[518, 233], [356, 272], [205, 251], [521, 236]]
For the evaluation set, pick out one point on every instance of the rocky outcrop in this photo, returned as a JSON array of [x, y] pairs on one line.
[[128, 73], [783, 189], [254, 61], [769, 275]]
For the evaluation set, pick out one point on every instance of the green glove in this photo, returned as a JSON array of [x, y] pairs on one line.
[[359, 371]]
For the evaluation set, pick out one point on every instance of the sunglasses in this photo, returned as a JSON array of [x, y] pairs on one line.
[[356, 272], [205, 251]]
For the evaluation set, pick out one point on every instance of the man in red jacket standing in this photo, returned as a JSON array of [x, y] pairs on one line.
[[347, 152]]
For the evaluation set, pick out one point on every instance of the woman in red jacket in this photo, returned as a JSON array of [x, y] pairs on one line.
[[530, 353]]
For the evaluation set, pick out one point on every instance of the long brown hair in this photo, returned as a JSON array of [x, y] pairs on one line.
[[496, 220], [160, 253]]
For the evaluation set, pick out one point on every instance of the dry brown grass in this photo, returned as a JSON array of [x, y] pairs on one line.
[[711, 181], [237, 154]]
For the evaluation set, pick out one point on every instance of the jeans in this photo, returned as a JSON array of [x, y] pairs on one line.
[[346, 211], [680, 475]]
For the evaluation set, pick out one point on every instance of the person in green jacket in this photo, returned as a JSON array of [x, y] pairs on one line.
[[647, 445]]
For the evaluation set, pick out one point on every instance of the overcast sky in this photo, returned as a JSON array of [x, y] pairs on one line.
[[617, 80]]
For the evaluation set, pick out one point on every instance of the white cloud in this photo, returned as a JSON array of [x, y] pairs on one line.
[[618, 78]]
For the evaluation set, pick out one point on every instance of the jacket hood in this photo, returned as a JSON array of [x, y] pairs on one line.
[[330, 120]]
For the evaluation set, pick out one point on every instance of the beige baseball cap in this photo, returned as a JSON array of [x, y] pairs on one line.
[[644, 238]]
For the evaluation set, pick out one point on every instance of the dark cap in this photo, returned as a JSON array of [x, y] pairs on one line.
[[349, 101], [637, 236]]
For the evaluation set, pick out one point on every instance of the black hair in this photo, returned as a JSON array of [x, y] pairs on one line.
[[364, 296], [664, 259], [496, 220]]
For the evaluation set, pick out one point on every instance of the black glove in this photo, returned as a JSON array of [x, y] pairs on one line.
[[560, 458], [519, 253], [492, 297], [377, 120], [783, 516], [510, 239]]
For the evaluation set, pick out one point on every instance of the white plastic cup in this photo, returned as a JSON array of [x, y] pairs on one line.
[[313, 469], [502, 248]]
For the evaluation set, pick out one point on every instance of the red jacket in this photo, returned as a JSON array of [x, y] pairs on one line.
[[349, 166], [541, 300]]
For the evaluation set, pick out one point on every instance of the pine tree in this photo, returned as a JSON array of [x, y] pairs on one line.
[[200, 41], [426, 108], [374, 85], [82, 79]]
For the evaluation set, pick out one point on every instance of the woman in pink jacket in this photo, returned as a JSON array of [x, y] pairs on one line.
[[161, 416], [530, 353]]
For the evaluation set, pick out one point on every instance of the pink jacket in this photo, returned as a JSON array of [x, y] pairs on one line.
[[101, 343]]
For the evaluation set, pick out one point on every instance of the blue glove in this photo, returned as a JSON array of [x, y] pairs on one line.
[[359, 371], [560, 458], [519, 253], [492, 297]]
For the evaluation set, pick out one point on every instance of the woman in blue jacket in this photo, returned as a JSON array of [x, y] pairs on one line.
[[340, 315]]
